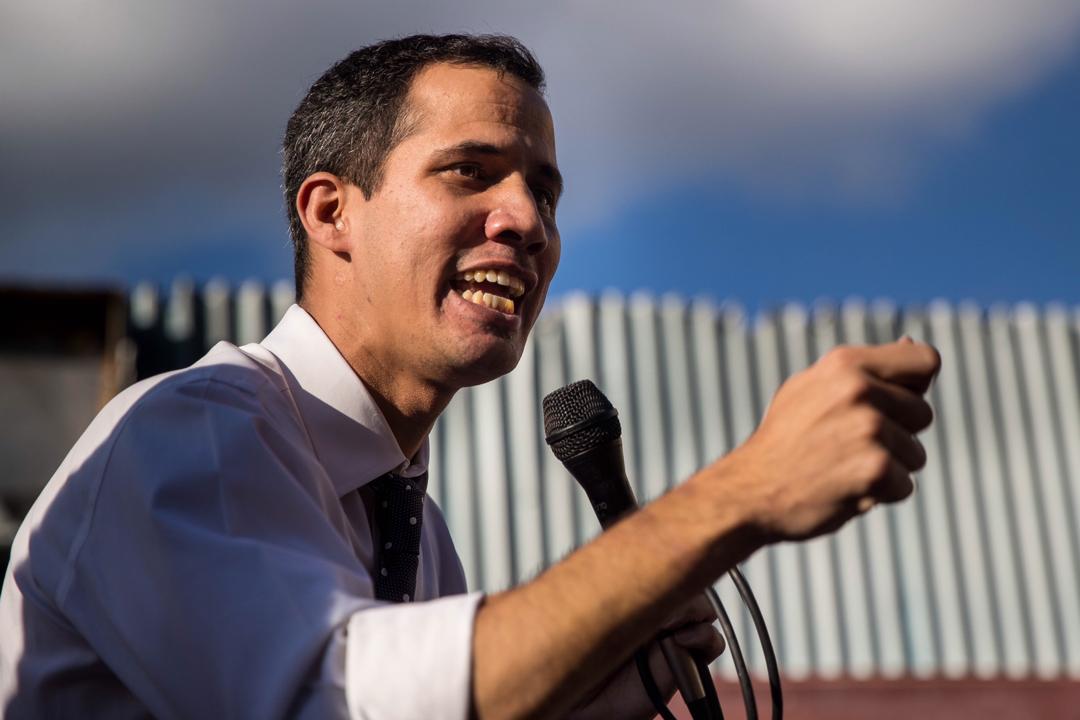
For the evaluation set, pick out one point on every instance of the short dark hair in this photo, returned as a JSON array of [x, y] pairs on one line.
[[353, 116]]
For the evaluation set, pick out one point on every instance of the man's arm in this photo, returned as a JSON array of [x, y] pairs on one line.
[[837, 438]]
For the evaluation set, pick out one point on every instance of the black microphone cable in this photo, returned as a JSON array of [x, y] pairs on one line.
[[775, 691], [749, 699], [711, 707], [641, 658]]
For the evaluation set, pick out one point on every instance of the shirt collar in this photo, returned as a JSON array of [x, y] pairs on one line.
[[349, 433]]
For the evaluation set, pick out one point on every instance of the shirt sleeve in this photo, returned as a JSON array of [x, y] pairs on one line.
[[216, 578], [424, 665]]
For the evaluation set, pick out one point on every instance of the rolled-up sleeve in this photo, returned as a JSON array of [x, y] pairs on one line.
[[214, 574], [423, 666]]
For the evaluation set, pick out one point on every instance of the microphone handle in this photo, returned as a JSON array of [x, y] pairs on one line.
[[605, 483], [601, 473]]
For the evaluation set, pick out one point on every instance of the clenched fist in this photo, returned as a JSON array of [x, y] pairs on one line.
[[837, 438]]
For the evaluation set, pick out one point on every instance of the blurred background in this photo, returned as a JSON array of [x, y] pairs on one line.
[[748, 183]]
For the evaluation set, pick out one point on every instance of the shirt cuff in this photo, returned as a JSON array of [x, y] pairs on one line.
[[411, 660]]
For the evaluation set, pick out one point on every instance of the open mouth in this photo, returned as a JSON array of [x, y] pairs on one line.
[[495, 289]]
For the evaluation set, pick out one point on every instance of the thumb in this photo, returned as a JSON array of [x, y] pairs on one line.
[[702, 640]]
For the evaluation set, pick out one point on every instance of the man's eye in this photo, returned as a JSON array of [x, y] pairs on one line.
[[473, 172], [545, 200]]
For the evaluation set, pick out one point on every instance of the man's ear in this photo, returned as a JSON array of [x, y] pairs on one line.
[[320, 202]]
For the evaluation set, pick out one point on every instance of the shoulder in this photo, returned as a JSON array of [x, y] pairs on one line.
[[225, 373], [225, 417], [226, 405], [225, 382], [173, 437]]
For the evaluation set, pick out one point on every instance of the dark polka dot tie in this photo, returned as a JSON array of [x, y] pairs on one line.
[[399, 513]]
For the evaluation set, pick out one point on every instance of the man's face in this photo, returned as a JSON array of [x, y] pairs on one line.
[[465, 212]]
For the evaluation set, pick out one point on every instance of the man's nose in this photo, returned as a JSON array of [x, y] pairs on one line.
[[516, 220]]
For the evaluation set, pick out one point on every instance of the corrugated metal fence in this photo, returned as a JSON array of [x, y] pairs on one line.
[[978, 574]]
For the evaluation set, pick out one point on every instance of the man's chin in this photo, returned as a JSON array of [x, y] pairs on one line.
[[486, 364]]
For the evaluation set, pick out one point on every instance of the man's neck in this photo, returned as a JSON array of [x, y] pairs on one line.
[[409, 408], [410, 405]]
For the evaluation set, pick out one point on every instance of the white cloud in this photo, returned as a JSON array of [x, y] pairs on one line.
[[113, 104], [796, 95]]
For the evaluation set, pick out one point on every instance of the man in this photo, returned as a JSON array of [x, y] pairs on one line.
[[215, 543]]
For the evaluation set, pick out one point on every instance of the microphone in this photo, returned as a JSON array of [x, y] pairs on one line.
[[582, 428]]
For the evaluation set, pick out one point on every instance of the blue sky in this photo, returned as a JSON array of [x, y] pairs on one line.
[[993, 218], [762, 152]]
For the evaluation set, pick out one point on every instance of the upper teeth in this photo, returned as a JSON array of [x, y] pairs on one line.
[[516, 284]]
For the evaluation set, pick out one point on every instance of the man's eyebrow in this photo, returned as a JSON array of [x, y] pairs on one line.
[[467, 147], [477, 147]]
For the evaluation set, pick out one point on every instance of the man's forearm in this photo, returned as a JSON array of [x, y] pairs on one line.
[[539, 647], [837, 439]]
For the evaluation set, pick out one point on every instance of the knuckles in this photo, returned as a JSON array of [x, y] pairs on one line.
[[840, 359], [853, 386]]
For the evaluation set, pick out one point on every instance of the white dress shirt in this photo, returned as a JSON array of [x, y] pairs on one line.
[[203, 552]]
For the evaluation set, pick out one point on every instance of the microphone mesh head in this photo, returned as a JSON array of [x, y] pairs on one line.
[[579, 404]]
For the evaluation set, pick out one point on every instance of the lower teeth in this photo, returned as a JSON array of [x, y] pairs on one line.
[[495, 302]]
